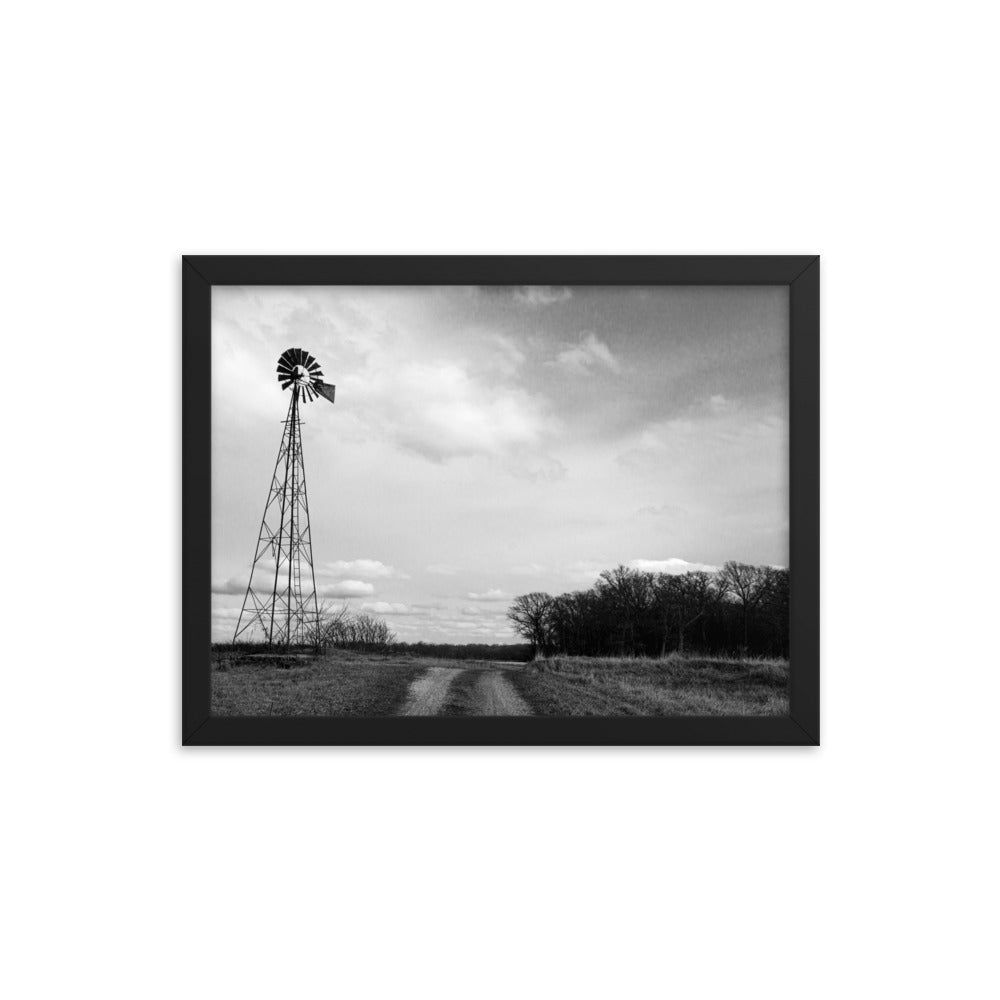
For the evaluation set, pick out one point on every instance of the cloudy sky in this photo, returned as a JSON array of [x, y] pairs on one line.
[[489, 442]]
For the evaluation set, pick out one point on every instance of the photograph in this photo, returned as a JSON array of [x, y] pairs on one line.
[[508, 500], [552, 421]]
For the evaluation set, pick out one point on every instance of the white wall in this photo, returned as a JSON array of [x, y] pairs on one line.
[[864, 132]]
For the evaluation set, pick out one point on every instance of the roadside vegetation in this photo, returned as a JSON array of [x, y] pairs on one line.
[[249, 681], [342, 682], [494, 652], [674, 685]]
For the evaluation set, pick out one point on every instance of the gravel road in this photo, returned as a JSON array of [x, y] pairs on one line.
[[490, 694], [428, 692], [493, 694]]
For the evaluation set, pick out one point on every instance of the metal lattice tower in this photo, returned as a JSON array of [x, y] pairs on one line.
[[275, 605]]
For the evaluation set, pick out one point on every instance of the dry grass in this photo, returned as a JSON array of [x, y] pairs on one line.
[[339, 683], [343, 683], [674, 685]]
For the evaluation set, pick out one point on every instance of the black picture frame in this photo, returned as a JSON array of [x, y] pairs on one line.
[[800, 273]]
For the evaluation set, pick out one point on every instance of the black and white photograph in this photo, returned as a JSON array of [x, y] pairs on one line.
[[501, 501], [526, 500]]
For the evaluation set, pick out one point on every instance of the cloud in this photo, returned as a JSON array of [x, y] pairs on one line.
[[670, 566], [489, 595], [355, 573], [385, 608], [441, 410], [346, 588], [224, 623], [506, 356], [708, 440], [483, 623], [586, 357], [459, 629], [541, 295], [364, 569]]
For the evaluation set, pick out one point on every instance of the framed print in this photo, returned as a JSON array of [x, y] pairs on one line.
[[500, 500]]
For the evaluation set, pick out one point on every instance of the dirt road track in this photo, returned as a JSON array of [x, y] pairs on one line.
[[485, 691], [493, 694], [427, 693]]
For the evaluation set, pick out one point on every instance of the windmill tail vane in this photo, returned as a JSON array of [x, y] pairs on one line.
[[281, 602]]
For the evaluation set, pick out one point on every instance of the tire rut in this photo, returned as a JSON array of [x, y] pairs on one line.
[[428, 693]]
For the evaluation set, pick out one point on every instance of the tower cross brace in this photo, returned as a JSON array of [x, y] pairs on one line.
[[275, 605]]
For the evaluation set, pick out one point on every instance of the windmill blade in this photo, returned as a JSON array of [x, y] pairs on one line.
[[324, 390], [316, 376], [313, 364]]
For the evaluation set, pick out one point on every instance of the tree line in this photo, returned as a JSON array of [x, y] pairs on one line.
[[465, 651], [739, 610], [344, 630]]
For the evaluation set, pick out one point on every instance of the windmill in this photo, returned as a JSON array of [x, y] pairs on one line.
[[275, 602]]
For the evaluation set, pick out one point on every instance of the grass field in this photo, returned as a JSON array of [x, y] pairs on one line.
[[338, 683], [246, 683], [675, 685]]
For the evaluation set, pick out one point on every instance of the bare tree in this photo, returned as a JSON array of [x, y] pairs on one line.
[[696, 593], [371, 633], [749, 585], [682, 600], [630, 594], [531, 616], [665, 589], [567, 622], [329, 628], [774, 607], [340, 628]]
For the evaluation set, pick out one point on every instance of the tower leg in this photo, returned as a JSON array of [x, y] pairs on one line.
[[282, 613]]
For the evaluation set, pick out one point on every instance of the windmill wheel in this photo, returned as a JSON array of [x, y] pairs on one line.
[[299, 368]]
